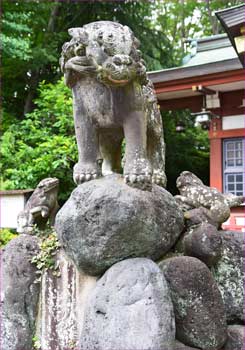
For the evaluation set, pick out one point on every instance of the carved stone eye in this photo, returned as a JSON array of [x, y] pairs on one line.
[[117, 60], [110, 36], [100, 37]]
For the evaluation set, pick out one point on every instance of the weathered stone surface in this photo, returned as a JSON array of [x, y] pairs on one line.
[[229, 274], [41, 206], [105, 221], [235, 339], [203, 242], [198, 216], [180, 346], [130, 309], [194, 194], [20, 293], [198, 306], [62, 305], [113, 100]]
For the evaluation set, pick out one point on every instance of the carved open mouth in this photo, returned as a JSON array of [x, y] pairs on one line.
[[118, 81]]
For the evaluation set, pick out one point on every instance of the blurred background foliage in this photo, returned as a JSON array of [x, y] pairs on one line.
[[37, 137]]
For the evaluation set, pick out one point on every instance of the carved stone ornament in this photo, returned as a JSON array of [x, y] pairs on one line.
[[215, 205], [113, 99], [41, 206]]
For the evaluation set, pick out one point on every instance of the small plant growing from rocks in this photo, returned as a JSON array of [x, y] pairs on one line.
[[45, 259], [36, 343]]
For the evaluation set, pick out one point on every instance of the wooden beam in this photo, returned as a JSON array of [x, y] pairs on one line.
[[194, 103], [205, 80], [223, 134]]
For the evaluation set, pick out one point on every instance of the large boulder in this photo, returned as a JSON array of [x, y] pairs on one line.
[[105, 221], [20, 293], [198, 306], [229, 274], [235, 339], [130, 309]]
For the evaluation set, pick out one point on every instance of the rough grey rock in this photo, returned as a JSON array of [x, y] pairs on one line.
[[203, 242], [197, 216], [235, 339], [20, 293], [229, 274], [105, 221], [180, 346], [130, 309], [198, 306]]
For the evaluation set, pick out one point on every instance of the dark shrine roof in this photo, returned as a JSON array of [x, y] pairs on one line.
[[209, 55], [232, 20]]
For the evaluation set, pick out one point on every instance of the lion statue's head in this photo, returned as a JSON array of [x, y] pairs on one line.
[[110, 47]]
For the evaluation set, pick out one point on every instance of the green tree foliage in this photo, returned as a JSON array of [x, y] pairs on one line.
[[5, 236], [183, 19], [33, 33], [43, 144], [186, 150]]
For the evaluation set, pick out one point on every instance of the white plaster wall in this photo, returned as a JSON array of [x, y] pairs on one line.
[[240, 221], [233, 122], [10, 206]]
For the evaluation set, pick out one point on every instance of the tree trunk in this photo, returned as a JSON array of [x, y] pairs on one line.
[[213, 19], [183, 29], [34, 80], [35, 75]]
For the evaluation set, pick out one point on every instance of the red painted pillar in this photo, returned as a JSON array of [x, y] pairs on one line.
[[216, 164], [216, 167]]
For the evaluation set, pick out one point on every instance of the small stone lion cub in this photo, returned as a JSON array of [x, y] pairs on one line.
[[194, 194]]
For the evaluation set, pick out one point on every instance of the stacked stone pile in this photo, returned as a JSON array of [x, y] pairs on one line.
[[136, 305], [162, 283], [140, 269]]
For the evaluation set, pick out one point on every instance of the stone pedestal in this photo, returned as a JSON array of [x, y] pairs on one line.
[[105, 221]]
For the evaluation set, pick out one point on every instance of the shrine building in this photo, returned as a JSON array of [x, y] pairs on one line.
[[211, 85]]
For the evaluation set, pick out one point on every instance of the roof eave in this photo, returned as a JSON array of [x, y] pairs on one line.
[[194, 71]]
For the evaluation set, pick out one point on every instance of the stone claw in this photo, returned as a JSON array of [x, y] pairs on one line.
[[85, 172], [88, 177], [137, 179], [140, 178], [76, 178], [159, 179], [82, 178], [132, 178], [126, 178]]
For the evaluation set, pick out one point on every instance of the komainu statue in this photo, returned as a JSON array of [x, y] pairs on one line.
[[113, 99], [41, 207], [214, 205]]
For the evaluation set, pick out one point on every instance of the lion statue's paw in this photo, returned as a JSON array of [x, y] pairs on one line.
[[138, 173], [137, 178], [85, 172], [159, 178]]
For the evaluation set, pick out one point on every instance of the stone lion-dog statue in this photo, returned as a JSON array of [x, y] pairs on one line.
[[113, 100], [214, 205]]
